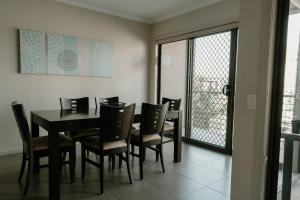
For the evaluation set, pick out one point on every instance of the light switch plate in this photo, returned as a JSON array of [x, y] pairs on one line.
[[251, 102]]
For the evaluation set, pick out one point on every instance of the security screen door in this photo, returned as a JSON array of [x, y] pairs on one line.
[[212, 60]]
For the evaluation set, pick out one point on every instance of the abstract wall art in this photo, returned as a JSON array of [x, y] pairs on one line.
[[57, 54]]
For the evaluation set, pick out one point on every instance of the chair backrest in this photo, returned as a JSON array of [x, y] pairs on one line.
[[110, 100], [113, 99], [174, 104], [74, 104], [153, 118], [22, 123], [115, 122]]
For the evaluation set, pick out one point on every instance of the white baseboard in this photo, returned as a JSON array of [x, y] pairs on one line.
[[14, 151], [10, 151]]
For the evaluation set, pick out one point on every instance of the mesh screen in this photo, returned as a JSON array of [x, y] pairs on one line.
[[211, 61]]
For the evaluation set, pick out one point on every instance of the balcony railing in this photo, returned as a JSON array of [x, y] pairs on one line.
[[287, 112]]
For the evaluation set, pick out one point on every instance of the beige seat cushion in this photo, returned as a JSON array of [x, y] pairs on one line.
[[167, 139], [41, 143], [78, 134], [168, 128], [135, 135], [94, 142]]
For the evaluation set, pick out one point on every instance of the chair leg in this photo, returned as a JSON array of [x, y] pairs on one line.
[[101, 173], [128, 168], [61, 160], [144, 153], [120, 160], [83, 164], [72, 164], [88, 153], [64, 155], [113, 162], [156, 154], [132, 150], [161, 157], [22, 167], [29, 174], [141, 151], [36, 164], [109, 161]]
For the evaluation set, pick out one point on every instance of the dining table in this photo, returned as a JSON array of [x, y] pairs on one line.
[[57, 121]]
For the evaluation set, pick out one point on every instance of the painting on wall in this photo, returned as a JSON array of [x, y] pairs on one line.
[[57, 54]]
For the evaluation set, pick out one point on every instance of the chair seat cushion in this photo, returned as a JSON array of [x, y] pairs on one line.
[[168, 128], [94, 142], [78, 134], [41, 143], [167, 139], [135, 135]]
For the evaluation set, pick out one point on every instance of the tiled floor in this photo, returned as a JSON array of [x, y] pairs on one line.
[[202, 174], [295, 190]]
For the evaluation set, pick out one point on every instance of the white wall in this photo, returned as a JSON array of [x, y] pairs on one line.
[[131, 49], [254, 71]]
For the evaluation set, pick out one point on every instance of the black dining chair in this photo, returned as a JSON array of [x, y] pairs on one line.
[[109, 100], [115, 102], [74, 104], [113, 138], [79, 104], [174, 104], [150, 132], [38, 146]]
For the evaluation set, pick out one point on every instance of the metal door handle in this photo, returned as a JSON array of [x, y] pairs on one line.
[[226, 90]]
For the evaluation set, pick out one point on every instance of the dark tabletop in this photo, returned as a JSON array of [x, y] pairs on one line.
[[65, 115], [92, 113]]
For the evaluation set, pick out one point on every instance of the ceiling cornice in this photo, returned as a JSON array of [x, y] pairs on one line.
[[148, 20], [90, 6], [185, 10]]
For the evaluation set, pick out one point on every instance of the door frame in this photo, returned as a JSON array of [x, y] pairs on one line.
[[189, 70], [277, 99]]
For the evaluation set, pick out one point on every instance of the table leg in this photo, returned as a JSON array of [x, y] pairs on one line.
[[287, 169], [177, 137], [35, 131], [54, 165]]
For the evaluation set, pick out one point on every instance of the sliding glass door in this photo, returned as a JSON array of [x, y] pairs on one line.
[[283, 177], [200, 71], [211, 90]]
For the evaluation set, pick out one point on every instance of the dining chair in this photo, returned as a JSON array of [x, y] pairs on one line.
[[37, 147], [113, 138], [109, 100], [79, 104], [112, 101], [150, 132], [174, 104], [74, 104]]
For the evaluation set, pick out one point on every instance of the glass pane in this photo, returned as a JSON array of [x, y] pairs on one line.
[[211, 62], [289, 168], [173, 72]]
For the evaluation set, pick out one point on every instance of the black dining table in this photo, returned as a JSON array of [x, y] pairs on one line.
[[56, 121]]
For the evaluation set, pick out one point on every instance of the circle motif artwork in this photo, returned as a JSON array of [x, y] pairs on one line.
[[67, 60]]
